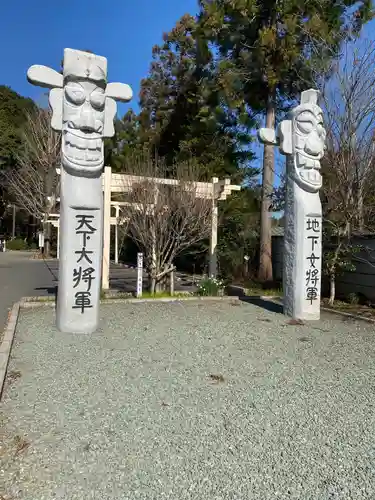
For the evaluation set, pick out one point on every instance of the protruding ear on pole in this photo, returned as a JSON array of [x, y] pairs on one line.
[[310, 96], [109, 116], [56, 103], [267, 136], [284, 133], [119, 91], [44, 77]]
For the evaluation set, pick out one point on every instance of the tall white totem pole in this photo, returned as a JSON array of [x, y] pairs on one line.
[[84, 108], [302, 139]]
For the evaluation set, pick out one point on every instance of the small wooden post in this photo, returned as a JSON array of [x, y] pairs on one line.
[[116, 234], [139, 274], [107, 227], [213, 240], [171, 282]]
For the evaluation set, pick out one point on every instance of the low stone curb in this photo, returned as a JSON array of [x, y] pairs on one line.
[[30, 302], [37, 298], [348, 315], [170, 299], [326, 309], [276, 298], [6, 344]]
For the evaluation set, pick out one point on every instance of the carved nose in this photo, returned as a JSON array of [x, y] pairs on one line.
[[314, 145], [87, 121]]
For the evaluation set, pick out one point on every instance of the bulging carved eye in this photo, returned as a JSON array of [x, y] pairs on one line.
[[305, 126], [97, 100], [75, 95]]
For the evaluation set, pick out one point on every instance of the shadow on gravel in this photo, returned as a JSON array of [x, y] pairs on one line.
[[264, 304], [51, 290]]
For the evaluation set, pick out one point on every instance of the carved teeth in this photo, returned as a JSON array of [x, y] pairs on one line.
[[310, 175], [81, 150]]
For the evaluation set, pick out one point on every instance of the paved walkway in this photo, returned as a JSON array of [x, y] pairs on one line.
[[190, 401], [21, 276]]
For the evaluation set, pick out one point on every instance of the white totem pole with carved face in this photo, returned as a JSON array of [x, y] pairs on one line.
[[84, 108], [302, 139]]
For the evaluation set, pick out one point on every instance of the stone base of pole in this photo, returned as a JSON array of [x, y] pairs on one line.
[[80, 267], [302, 253]]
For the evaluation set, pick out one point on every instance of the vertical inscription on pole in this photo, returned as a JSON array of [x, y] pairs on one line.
[[313, 259], [139, 274], [84, 273]]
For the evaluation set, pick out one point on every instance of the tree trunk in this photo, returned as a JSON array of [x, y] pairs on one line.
[[360, 216], [47, 239], [332, 289], [265, 261], [151, 283]]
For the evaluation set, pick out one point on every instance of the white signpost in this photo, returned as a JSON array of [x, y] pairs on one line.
[[84, 108], [41, 239], [139, 274]]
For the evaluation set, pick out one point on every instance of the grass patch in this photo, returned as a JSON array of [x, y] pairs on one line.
[[118, 295], [269, 292], [165, 295], [271, 288]]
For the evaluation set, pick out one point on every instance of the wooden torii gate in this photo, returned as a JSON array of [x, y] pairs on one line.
[[216, 190]]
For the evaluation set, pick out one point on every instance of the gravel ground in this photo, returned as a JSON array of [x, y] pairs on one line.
[[190, 401]]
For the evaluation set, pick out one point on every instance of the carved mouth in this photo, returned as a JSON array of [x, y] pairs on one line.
[[309, 169], [312, 176], [86, 151]]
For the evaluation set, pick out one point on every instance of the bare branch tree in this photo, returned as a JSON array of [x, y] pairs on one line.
[[349, 106], [33, 184], [165, 213], [348, 165]]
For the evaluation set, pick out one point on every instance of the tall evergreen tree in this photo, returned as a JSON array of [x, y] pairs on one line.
[[13, 114], [184, 113], [271, 50]]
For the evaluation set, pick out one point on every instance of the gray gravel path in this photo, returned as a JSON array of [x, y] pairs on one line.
[[186, 401]]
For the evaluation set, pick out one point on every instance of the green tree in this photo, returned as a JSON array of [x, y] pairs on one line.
[[128, 141], [272, 50], [13, 115], [184, 113], [186, 117], [238, 236]]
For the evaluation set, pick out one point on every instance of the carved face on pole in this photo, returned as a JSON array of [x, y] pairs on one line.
[[83, 108], [308, 136], [302, 137], [83, 126]]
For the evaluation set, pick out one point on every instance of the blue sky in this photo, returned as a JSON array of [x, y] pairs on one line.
[[124, 31]]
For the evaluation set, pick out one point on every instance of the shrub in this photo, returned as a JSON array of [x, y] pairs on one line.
[[16, 244], [353, 298], [210, 287]]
